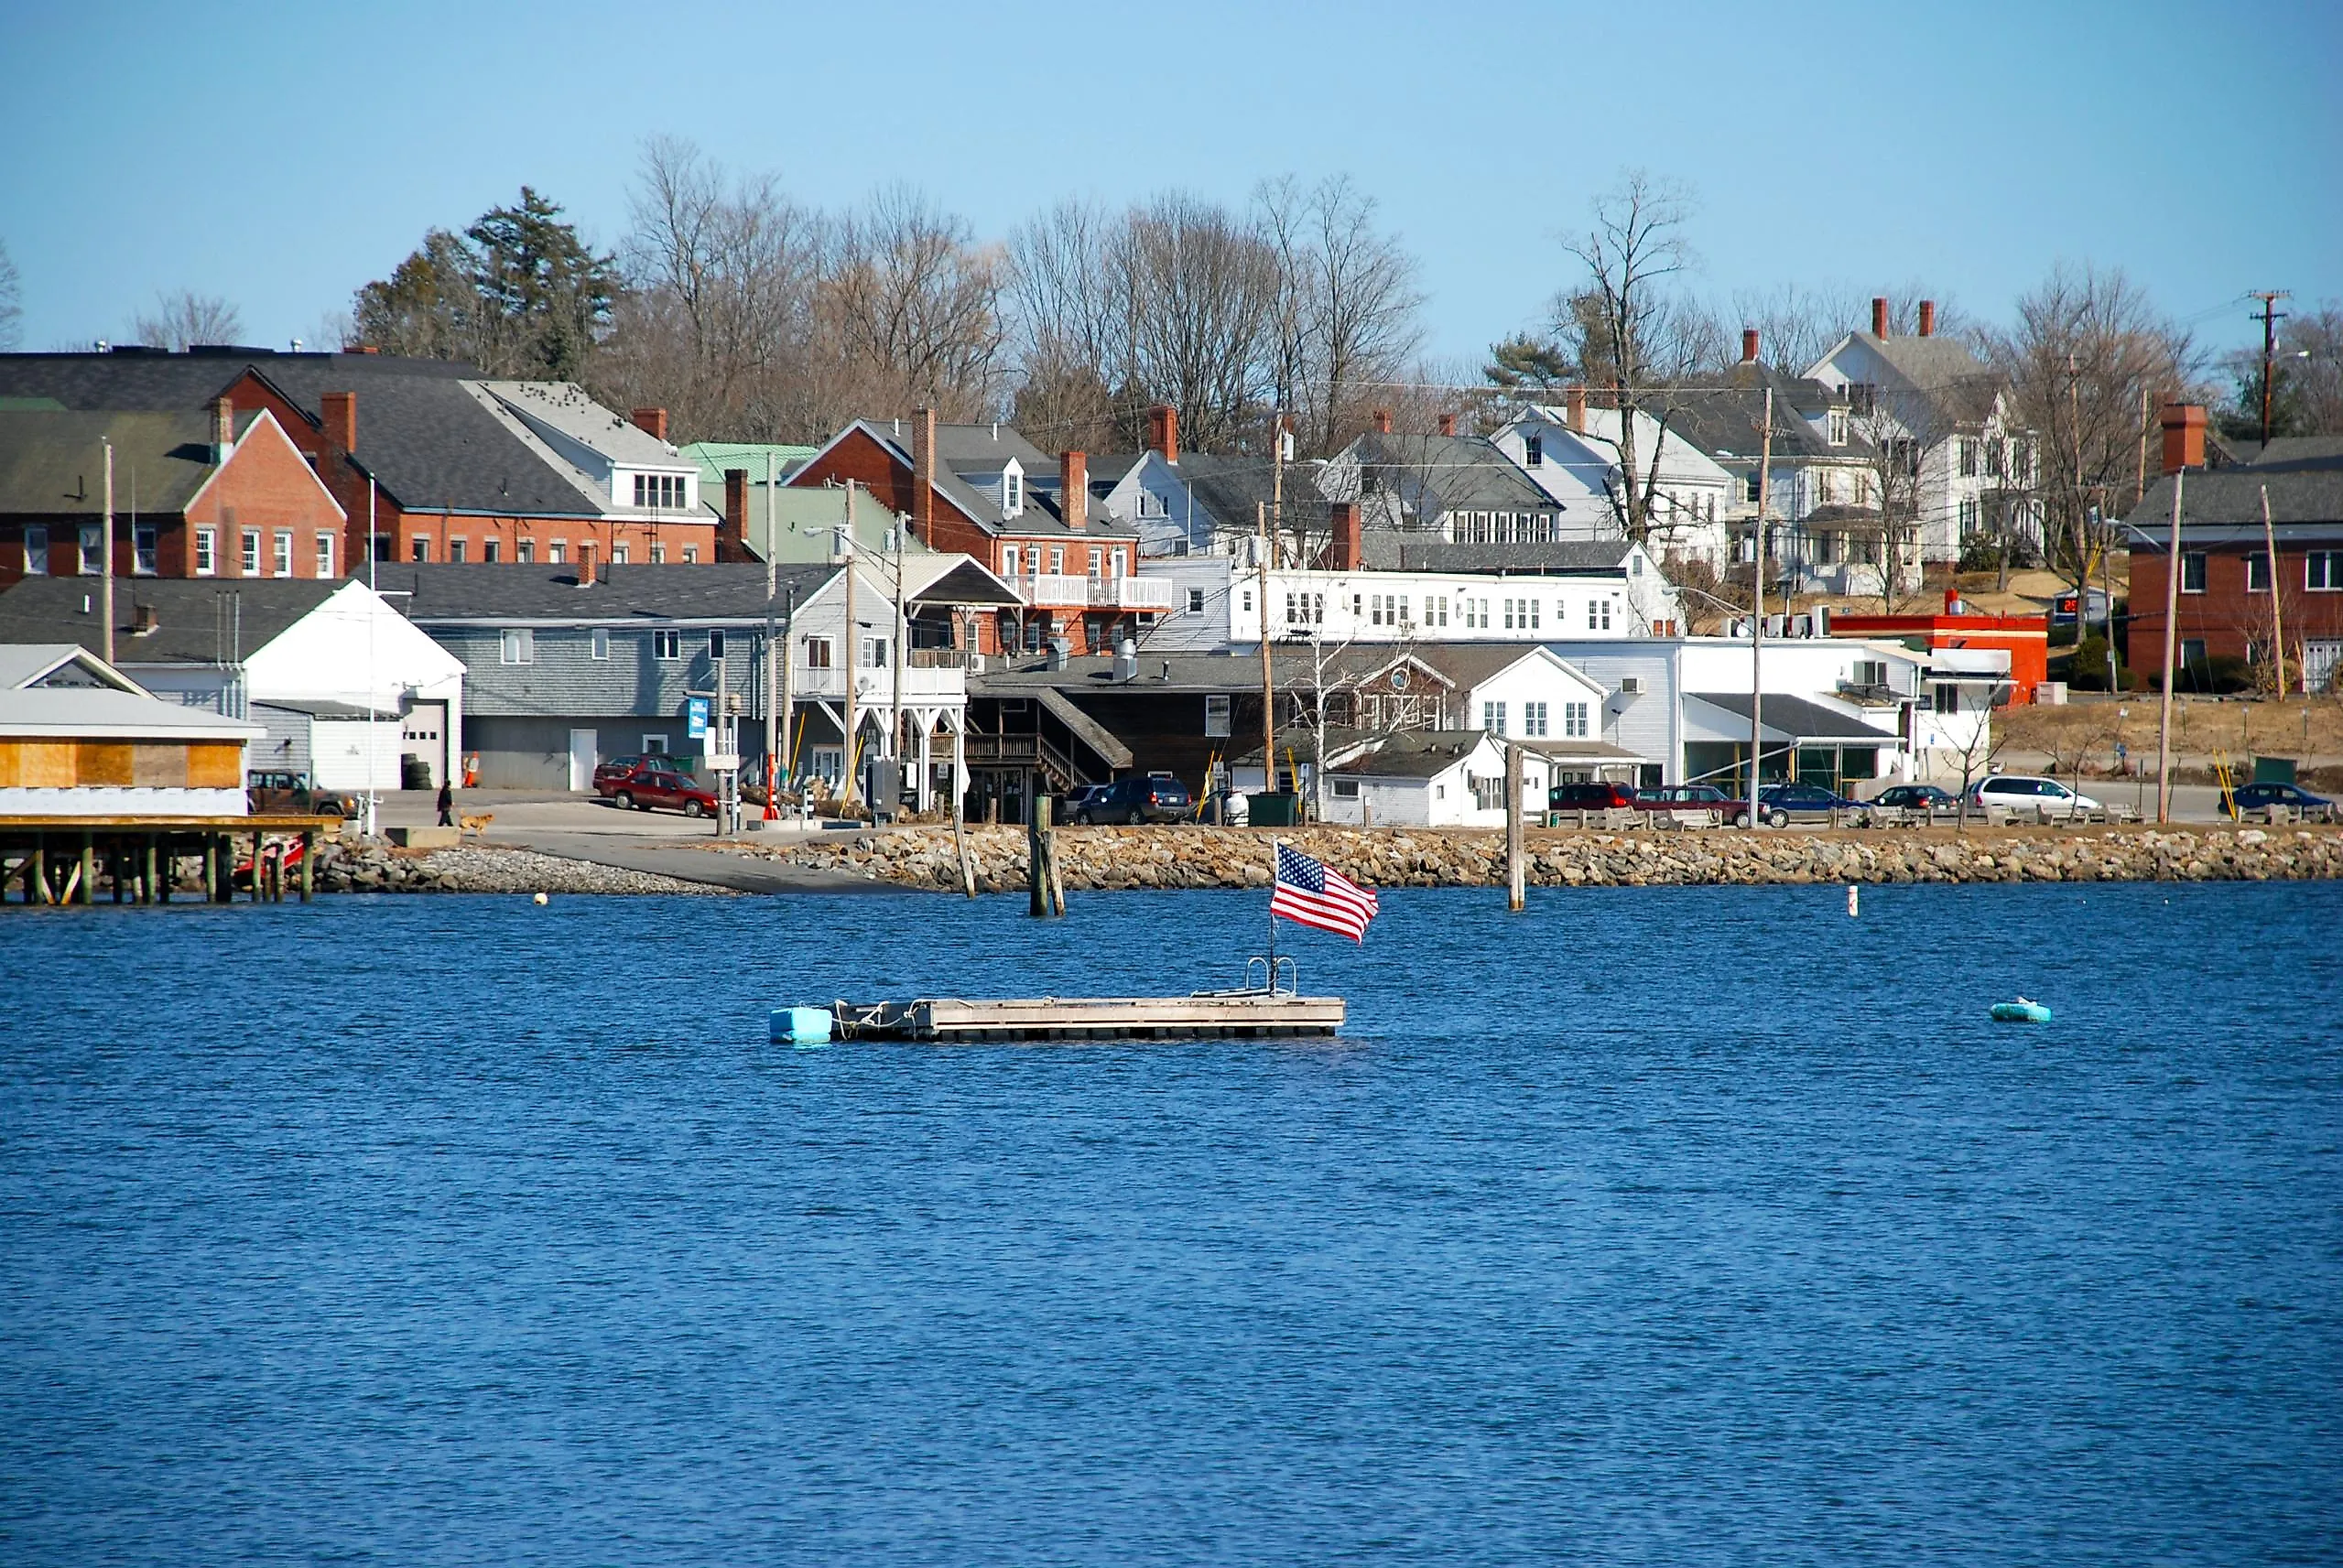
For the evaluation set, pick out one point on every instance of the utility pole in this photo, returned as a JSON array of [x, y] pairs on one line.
[[2172, 632], [2277, 618], [105, 588], [772, 712], [787, 701], [1277, 491], [1757, 609], [895, 676], [853, 641], [1268, 690], [2270, 317]]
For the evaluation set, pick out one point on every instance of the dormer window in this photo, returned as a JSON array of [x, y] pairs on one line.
[[1535, 456], [663, 490], [1838, 426], [1012, 490]]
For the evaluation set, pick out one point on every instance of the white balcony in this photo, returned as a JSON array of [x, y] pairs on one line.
[[1058, 591], [920, 682]]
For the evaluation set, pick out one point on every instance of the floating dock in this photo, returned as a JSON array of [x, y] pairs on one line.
[[1208, 1015]]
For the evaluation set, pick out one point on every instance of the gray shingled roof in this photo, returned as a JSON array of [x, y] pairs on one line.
[[52, 463], [1414, 754], [1467, 474], [198, 621], [718, 591], [1726, 413], [1408, 549]]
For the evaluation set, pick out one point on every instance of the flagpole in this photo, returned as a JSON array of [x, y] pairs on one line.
[[1273, 908]]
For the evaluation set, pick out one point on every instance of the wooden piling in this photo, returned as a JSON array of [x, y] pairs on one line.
[[89, 879], [210, 867], [309, 848], [1038, 846], [153, 890], [1515, 869]]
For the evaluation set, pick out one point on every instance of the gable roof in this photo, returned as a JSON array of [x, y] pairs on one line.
[[1956, 383], [197, 621], [1465, 473], [51, 462], [58, 664], [729, 591], [110, 712], [1726, 414], [1416, 754], [2304, 477]]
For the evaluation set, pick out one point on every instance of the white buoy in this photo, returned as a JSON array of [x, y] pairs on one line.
[[542, 899], [1853, 901]]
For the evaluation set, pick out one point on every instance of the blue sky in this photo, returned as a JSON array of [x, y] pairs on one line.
[[281, 159]]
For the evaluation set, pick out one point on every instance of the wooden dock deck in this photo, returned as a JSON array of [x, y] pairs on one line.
[[1226, 1015]]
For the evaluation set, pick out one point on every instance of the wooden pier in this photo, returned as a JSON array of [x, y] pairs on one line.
[[1208, 1015], [62, 860]]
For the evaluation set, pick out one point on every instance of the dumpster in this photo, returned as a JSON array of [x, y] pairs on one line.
[[1279, 809], [2274, 770]]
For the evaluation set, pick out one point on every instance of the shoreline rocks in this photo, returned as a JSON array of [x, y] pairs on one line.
[[1105, 858], [377, 868]]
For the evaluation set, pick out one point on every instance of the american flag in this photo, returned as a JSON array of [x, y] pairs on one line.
[[1307, 894]]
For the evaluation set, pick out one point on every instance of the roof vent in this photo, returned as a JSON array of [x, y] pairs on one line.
[[1126, 660], [142, 622]]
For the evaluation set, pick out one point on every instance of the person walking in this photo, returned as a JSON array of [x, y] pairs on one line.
[[446, 803]]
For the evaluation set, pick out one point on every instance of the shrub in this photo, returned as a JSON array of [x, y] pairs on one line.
[[2087, 670]]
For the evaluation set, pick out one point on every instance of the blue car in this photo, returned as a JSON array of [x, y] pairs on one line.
[[2294, 797], [1788, 803]]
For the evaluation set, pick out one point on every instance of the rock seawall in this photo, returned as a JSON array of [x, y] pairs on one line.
[[1107, 858], [376, 867]]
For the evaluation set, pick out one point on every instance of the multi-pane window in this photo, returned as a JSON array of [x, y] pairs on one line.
[[2192, 571], [325, 555], [1534, 720], [664, 490], [817, 654], [1945, 698], [691, 555], [1838, 426], [874, 652], [715, 643], [518, 645], [557, 552], [525, 551], [619, 554], [1492, 718], [36, 551], [1965, 449], [207, 558], [1535, 454], [1216, 716], [1598, 615], [456, 550], [490, 550], [1196, 601], [1008, 560], [250, 552], [1969, 515], [659, 554], [142, 550], [2323, 571], [1574, 720], [93, 553], [667, 643], [2256, 572], [1436, 609]]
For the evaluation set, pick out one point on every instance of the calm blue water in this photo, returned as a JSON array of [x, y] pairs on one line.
[[1669, 1226]]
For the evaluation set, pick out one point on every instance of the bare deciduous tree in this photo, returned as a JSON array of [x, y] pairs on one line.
[[911, 291], [2089, 363], [12, 301], [183, 317]]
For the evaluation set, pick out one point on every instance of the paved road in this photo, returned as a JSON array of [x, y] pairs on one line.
[[581, 827]]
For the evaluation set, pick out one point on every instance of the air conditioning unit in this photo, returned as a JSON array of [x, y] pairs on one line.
[[1630, 686]]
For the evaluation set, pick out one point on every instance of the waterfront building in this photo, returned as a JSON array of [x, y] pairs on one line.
[[79, 738]]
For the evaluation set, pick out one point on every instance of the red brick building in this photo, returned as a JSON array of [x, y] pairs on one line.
[[2232, 601], [213, 493], [984, 490], [461, 466]]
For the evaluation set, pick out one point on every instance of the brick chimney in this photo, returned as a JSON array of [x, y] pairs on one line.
[[223, 429], [734, 544], [1575, 409], [1163, 431], [339, 411], [2184, 425], [1347, 553], [653, 420], [1383, 421], [586, 564], [923, 474], [1879, 316], [1928, 318], [1074, 489], [1748, 345], [1448, 424]]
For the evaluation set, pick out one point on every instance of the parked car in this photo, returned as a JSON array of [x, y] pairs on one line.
[[619, 767], [1926, 798], [654, 782], [1070, 804], [1706, 803], [1784, 803], [2294, 797], [289, 794], [1599, 796], [1154, 798], [2024, 793]]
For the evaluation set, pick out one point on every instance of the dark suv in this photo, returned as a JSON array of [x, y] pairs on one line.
[[1135, 800], [1597, 797], [274, 794]]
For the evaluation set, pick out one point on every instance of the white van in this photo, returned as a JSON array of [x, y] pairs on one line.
[[2028, 795]]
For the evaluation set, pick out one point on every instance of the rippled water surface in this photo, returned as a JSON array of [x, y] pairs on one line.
[[1662, 1226]]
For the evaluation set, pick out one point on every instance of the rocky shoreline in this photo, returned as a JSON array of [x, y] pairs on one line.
[[1098, 858]]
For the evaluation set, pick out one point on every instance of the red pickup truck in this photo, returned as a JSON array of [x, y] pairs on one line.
[[649, 782]]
